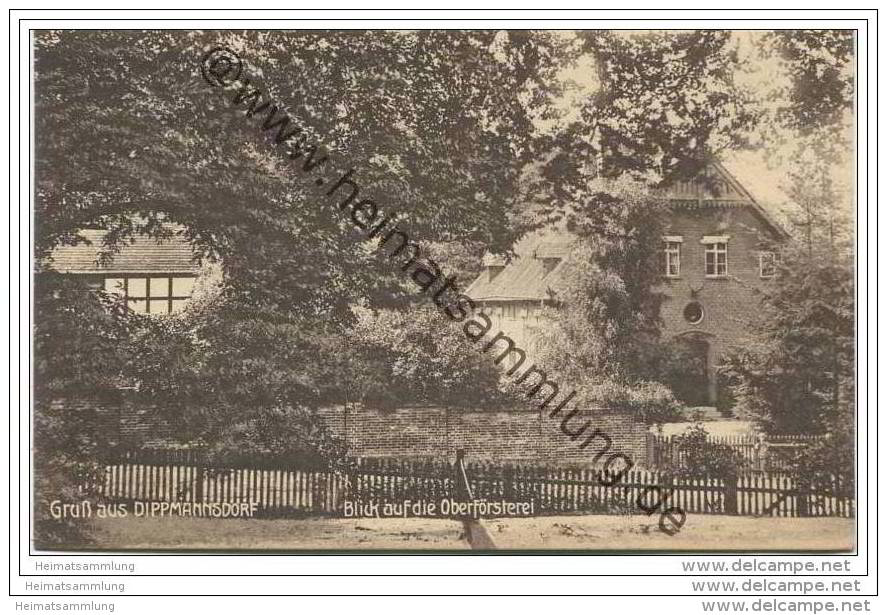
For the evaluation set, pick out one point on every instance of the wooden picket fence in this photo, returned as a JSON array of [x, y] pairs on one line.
[[564, 490], [762, 454], [280, 489]]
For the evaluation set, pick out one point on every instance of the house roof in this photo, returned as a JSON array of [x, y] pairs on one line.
[[765, 206], [526, 277], [767, 201], [762, 184], [142, 255]]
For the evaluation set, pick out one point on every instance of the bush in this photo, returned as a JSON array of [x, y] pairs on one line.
[[416, 356], [697, 455], [819, 462], [294, 434], [82, 343], [650, 402]]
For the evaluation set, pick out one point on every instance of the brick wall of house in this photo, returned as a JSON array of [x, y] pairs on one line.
[[485, 435], [730, 304]]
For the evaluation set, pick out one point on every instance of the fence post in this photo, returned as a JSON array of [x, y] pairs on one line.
[[508, 483], [803, 496], [354, 480], [201, 475], [651, 453], [763, 453], [731, 495]]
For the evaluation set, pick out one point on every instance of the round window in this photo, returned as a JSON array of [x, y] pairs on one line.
[[693, 313]]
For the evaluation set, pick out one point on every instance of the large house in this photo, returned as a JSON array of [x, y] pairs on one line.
[[714, 256]]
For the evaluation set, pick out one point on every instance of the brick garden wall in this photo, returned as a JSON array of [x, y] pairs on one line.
[[123, 420], [485, 435], [410, 432]]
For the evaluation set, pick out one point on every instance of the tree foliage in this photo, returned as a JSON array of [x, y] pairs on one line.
[[821, 89], [130, 138], [416, 357], [799, 374], [81, 349], [153, 139], [668, 101], [610, 308], [697, 455]]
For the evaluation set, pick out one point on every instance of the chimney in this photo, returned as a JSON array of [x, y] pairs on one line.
[[494, 266]]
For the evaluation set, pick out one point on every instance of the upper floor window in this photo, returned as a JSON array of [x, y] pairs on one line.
[[767, 264], [152, 294], [715, 256], [672, 262]]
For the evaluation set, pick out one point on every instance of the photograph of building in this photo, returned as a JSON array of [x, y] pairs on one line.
[[444, 289], [717, 251]]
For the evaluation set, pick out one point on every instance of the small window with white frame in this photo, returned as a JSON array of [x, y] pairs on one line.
[[672, 254], [767, 264], [152, 294], [715, 256]]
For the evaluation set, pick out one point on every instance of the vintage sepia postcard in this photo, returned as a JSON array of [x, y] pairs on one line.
[[425, 290]]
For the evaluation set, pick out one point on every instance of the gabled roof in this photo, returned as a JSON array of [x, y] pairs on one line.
[[143, 255], [526, 277], [763, 211], [721, 188], [763, 185]]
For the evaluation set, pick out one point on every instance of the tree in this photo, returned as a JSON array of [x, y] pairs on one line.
[[799, 375], [665, 104], [152, 138], [820, 64], [420, 359], [131, 138], [82, 345], [610, 306], [668, 102], [225, 366]]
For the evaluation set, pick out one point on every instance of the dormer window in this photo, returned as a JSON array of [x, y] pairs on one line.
[[494, 266], [548, 265], [551, 254], [715, 255], [672, 256]]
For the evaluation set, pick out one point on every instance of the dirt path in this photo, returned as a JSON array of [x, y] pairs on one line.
[[590, 532], [314, 534], [700, 533]]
